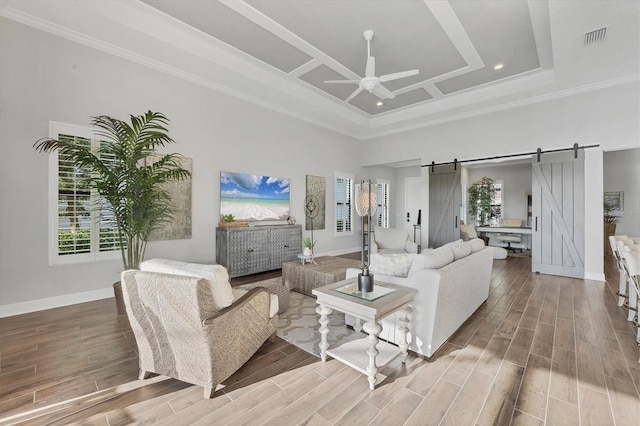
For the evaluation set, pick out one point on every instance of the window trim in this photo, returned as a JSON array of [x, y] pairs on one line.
[[496, 219], [350, 177], [55, 259]]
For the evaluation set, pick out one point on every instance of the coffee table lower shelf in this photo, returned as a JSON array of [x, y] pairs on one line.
[[354, 353]]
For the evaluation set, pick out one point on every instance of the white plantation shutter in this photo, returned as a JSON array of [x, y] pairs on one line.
[[78, 232], [74, 204], [107, 231], [344, 213], [383, 204]]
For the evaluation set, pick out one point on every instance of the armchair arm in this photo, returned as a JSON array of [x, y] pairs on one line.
[[250, 300], [235, 333], [411, 247]]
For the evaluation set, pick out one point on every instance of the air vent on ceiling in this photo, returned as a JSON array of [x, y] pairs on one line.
[[595, 36]]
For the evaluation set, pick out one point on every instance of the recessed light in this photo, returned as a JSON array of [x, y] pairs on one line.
[[498, 67], [379, 103]]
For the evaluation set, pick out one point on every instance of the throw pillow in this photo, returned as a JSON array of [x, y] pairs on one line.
[[438, 258], [396, 265], [216, 275], [468, 232]]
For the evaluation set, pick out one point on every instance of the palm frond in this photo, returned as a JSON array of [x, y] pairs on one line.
[[130, 190]]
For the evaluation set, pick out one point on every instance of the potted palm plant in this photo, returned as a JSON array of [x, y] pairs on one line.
[[481, 193], [126, 178], [610, 221]]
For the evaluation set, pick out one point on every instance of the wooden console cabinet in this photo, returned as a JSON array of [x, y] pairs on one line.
[[250, 250]]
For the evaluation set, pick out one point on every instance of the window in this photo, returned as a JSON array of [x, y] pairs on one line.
[[496, 203], [78, 233], [383, 203], [344, 212]]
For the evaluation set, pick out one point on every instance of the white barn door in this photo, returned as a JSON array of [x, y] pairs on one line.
[[445, 198], [558, 214]]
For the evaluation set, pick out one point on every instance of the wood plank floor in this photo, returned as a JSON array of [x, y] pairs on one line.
[[541, 350]]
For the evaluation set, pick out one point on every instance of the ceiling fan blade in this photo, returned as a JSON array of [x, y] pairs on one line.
[[354, 94], [398, 75], [382, 92], [371, 67], [343, 81]]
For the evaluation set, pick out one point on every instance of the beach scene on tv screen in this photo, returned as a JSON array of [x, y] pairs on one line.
[[254, 197]]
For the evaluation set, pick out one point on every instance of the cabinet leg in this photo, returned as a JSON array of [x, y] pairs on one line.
[[373, 330], [405, 314], [323, 311]]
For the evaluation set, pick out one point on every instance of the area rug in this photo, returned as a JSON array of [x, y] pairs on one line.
[[299, 324]]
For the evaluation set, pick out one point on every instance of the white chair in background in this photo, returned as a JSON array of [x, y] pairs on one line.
[[629, 252], [510, 237], [622, 278], [392, 241], [631, 261]]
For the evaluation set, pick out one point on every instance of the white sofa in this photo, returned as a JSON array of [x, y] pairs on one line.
[[451, 282]]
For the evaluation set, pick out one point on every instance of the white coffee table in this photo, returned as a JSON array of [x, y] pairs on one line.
[[366, 354]]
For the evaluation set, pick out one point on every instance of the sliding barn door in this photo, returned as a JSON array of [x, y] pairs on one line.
[[558, 214], [444, 205]]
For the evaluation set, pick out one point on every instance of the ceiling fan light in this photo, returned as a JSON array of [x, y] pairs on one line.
[[368, 85]]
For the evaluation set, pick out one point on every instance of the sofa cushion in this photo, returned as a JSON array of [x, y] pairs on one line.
[[216, 275], [438, 258], [461, 250], [396, 265], [477, 244], [453, 243]]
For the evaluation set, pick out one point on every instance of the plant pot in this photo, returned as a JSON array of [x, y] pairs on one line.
[[117, 292], [306, 251], [609, 229]]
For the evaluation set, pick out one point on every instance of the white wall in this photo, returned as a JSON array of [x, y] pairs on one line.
[[622, 173], [516, 185], [44, 78], [606, 117]]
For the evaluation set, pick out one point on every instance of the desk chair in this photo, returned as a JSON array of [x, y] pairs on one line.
[[510, 238]]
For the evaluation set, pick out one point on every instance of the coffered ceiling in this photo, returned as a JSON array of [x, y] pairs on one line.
[[472, 57]]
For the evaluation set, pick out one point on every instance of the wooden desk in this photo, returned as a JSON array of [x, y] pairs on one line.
[[525, 230]]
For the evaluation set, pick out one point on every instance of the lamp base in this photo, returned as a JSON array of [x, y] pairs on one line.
[[365, 281]]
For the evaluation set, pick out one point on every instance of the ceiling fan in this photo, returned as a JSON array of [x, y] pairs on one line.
[[370, 82]]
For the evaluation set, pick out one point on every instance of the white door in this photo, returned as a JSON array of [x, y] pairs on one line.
[[412, 205], [558, 214], [445, 197]]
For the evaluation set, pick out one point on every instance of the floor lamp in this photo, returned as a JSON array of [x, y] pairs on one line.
[[366, 205]]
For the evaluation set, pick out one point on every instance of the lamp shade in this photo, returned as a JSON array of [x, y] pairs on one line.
[[366, 198]]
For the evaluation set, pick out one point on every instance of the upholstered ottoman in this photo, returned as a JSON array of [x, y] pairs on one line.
[[277, 288]]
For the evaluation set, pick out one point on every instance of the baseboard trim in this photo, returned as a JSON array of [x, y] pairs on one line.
[[594, 276], [54, 302]]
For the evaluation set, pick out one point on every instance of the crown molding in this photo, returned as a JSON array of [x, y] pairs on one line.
[[511, 105]]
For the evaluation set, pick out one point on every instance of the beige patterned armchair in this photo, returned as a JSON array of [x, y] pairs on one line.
[[181, 334]]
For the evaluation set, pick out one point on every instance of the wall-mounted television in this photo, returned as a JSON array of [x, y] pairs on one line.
[[253, 198]]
